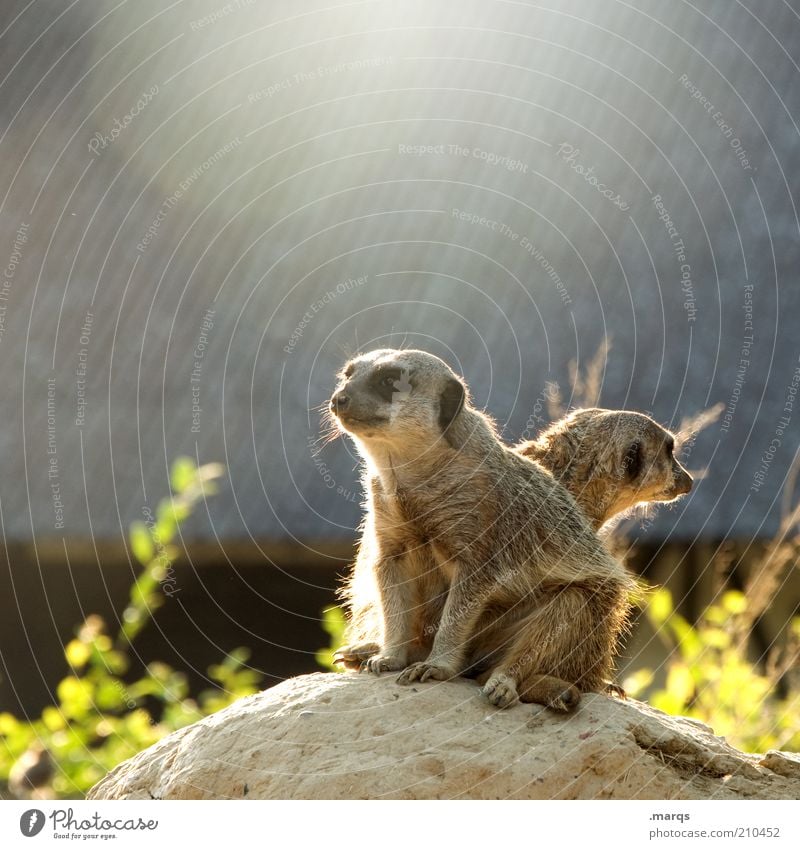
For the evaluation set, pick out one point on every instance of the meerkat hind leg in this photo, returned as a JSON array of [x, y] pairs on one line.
[[552, 692], [503, 691], [554, 652]]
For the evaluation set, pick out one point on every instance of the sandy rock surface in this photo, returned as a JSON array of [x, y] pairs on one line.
[[351, 736]]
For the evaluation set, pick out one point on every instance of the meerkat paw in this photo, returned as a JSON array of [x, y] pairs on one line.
[[352, 657], [379, 663], [425, 671], [565, 701], [501, 690]]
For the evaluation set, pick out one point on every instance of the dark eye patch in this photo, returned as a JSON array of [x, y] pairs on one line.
[[386, 381], [670, 445], [632, 462]]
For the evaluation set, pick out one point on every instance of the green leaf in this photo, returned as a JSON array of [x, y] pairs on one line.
[[77, 653], [75, 695], [680, 683], [170, 513], [734, 602], [183, 474], [53, 719], [715, 638], [8, 724], [334, 622], [689, 643], [660, 607], [141, 542]]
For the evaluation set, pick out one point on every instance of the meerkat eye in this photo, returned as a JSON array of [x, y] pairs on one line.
[[348, 372], [670, 446], [386, 382]]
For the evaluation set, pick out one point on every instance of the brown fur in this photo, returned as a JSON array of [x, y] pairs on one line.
[[590, 453], [473, 544]]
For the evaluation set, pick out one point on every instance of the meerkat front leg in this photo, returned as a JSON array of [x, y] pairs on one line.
[[395, 585], [354, 656], [463, 607]]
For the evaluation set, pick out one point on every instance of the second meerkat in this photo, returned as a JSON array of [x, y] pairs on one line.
[[611, 461], [467, 533]]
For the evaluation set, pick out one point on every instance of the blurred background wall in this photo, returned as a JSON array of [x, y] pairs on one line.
[[207, 206]]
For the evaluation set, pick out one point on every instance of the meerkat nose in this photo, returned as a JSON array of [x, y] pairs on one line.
[[683, 482], [340, 402]]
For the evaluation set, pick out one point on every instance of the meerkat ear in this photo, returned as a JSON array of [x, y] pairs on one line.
[[632, 461], [451, 401]]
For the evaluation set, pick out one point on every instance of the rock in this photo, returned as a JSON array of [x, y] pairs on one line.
[[784, 763], [351, 736]]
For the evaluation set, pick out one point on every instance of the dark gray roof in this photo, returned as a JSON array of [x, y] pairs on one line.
[[293, 136]]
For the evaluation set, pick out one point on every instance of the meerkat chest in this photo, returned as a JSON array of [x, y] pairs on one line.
[[419, 523], [399, 520]]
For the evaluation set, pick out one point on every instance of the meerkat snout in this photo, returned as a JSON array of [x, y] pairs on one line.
[[649, 471], [682, 480], [665, 464], [339, 402]]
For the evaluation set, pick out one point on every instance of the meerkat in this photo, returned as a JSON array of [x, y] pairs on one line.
[[470, 536], [609, 460]]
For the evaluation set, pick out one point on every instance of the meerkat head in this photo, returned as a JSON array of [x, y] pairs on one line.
[[406, 400], [611, 461]]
